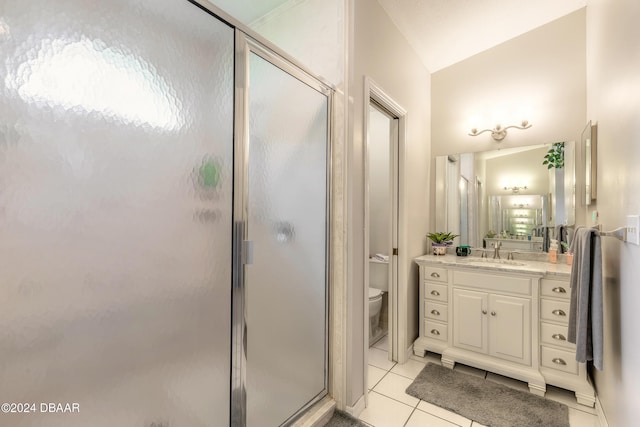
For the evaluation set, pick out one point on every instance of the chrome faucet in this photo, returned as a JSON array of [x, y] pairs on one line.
[[496, 250]]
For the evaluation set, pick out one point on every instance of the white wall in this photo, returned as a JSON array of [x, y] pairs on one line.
[[522, 168], [381, 53], [539, 76], [613, 70], [313, 32]]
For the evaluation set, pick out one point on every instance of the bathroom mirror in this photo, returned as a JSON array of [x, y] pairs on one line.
[[507, 194], [589, 147]]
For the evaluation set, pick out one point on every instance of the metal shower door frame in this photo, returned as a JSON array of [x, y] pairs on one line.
[[242, 247]]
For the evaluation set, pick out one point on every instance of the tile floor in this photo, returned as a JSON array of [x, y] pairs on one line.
[[390, 406]]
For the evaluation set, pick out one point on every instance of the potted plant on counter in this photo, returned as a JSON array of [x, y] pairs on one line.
[[440, 241]]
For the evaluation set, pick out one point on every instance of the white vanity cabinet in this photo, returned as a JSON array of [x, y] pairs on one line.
[[557, 356], [511, 322], [435, 308], [493, 324]]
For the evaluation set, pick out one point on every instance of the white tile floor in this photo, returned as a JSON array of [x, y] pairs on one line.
[[390, 406]]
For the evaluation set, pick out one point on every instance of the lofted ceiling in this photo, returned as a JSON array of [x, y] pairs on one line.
[[443, 32]]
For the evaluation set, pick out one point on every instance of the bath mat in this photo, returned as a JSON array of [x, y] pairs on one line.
[[484, 401], [342, 419]]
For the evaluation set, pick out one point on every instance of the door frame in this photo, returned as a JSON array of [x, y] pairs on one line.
[[398, 292], [245, 45]]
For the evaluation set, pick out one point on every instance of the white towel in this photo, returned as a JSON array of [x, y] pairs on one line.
[[381, 257], [585, 313]]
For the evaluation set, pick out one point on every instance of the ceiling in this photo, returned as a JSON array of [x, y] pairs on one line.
[[442, 32], [248, 11]]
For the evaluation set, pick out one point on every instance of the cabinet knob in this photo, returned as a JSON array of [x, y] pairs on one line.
[[435, 293], [434, 274], [435, 312], [493, 313], [484, 311], [559, 312], [559, 290], [559, 337], [435, 332], [559, 361]]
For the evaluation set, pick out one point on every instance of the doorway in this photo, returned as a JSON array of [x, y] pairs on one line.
[[384, 239]]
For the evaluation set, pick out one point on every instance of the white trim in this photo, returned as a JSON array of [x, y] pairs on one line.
[[340, 292], [398, 318], [357, 409], [602, 419]]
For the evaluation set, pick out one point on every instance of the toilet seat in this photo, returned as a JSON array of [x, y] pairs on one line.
[[374, 293]]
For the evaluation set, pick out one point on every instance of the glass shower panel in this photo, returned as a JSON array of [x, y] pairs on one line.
[[116, 157], [286, 284]]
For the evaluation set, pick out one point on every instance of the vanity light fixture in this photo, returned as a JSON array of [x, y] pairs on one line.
[[498, 133], [515, 188]]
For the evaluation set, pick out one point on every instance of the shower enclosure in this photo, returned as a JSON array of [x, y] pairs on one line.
[[163, 220]]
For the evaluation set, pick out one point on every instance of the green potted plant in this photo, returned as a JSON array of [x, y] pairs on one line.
[[555, 156], [440, 240]]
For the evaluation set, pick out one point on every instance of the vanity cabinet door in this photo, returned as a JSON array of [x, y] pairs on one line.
[[470, 320], [510, 328]]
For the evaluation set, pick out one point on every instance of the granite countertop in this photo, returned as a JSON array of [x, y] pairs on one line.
[[561, 269]]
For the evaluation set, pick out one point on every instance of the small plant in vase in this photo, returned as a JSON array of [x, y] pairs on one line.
[[440, 241]]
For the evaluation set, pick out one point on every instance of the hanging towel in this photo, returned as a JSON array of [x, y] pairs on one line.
[[585, 313], [559, 236]]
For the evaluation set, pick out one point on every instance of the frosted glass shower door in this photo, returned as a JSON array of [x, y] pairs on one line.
[[116, 198], [286, 288]]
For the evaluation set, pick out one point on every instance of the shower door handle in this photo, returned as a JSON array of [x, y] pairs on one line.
[[247, 252]]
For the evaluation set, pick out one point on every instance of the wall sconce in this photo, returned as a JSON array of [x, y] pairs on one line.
[[515, 188], [498, 133]]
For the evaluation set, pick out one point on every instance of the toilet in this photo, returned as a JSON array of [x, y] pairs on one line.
[[375, 304]]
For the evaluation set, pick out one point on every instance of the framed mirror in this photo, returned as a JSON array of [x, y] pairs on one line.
[[523, 196], [589, 150]]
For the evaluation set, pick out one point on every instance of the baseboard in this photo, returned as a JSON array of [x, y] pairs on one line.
[[409, 352], [356, 409], [600, 413]]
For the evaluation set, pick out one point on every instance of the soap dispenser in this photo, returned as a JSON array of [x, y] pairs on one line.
[[553, 251]]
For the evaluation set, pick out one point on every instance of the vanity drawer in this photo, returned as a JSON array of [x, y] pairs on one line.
[[435, 274], [510, 284], [555, 288], [555, 335], [434, 310], [436, 292], [561, 360], [435, 330], [557, 311]]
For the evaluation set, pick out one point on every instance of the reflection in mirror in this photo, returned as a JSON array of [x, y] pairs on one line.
[[589, 149], [508, 195]]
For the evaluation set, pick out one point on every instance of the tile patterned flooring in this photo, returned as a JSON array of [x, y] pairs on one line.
[[390, 406]]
